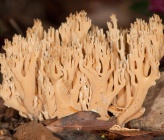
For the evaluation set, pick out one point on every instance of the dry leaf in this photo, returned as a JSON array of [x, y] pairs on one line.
[[83, 120], [136, 135], [33, 131]]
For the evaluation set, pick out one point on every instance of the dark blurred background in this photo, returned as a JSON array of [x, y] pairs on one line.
[[17, 15]]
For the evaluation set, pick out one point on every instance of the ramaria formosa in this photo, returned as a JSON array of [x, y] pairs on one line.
[[79, 67]]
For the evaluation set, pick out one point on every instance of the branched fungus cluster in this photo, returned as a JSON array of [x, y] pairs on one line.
[[78, 67]]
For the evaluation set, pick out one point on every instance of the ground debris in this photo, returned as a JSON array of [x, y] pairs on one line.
[[78, 135], [33, 131], [82, 120], [81, 125], [131, 135]]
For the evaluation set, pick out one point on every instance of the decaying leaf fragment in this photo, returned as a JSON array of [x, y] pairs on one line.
[[82, 120], [33, 130], [78, 67]]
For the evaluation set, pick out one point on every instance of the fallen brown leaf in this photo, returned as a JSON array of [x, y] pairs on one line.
[[83, 120], [78, 135], [33, 131], [136, 135], [132, 133], [143, 137]]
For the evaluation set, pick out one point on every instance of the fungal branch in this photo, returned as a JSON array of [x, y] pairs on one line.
[[77, 67]]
